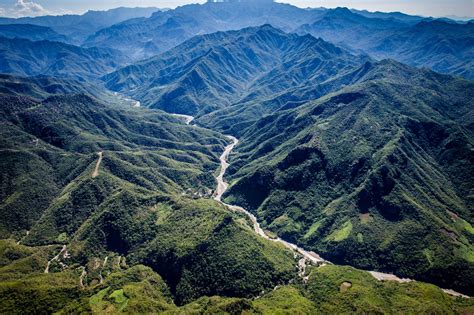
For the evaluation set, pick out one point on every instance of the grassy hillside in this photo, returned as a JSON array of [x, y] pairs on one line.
[[370, 173]]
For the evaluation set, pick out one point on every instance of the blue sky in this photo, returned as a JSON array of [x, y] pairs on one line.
[[15, 8]]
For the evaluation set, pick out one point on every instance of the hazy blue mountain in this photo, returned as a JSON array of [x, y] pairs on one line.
[[31, 32], [351, 30], [444, 46], [214, 71], [402, 17], [25, 57], [143, 38], [78, 27]]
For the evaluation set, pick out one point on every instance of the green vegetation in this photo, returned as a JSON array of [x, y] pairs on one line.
[[368, 295], [139, 289], [108, 209], [145, 206], [366, 175], [211, 79], [342, 233], [285, 300]]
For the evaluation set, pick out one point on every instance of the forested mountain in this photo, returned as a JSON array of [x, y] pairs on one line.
[[25, 57], [314, 176], [78, 27], [369, 173], [214, 71], [117, 180], [141, 202]]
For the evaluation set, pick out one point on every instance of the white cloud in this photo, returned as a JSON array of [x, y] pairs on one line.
[[29, 8], [21, 8]]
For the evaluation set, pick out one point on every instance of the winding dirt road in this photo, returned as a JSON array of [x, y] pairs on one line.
[[95, 173], [82, 276], [63, 249]]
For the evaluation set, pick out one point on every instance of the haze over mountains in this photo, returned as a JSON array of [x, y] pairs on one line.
[[78, 27], [356, 138]]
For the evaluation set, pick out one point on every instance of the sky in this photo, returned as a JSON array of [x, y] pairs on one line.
[[435, 8]]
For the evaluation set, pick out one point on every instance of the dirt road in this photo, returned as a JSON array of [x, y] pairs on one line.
[[63, 249], [95, 173]]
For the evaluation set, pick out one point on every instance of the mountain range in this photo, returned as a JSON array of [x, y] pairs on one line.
[[78, 27], [236, 157], [439, 45], [224, 68]]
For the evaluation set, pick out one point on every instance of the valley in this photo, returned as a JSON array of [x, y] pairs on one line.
[[307, 257], [236, 157]]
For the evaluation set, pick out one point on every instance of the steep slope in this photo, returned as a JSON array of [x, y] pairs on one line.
[[25, 57], [64, 133], [366, 175], [163, 30], [78, 27], [214, 71], [318, 80]]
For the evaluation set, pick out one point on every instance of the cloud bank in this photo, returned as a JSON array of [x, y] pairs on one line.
[[21, 8]]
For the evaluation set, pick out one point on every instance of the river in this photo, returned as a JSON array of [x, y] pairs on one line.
[[307, 256]]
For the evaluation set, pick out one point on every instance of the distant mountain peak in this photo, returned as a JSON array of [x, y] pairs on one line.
[[241, 1]]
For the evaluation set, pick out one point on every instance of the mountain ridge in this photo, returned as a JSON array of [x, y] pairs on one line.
[[241, 57]]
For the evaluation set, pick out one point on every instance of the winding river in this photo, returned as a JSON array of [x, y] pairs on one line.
[[307, 256]]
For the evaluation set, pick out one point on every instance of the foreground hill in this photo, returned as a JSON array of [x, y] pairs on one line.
[[370, 173], [108, 209], [25, 57], [139, 289], [215, 71], [122, 183]]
